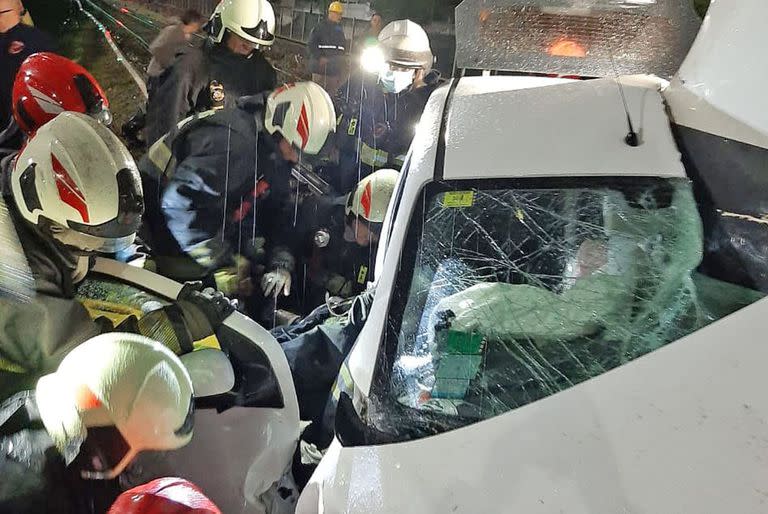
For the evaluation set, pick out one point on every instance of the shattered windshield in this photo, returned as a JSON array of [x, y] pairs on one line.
[[509, 294]]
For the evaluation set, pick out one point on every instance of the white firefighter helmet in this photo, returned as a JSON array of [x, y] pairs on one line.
[[370, 199], [405, 44], [252, 20], [74, 173], [112, 397], [303, 114]]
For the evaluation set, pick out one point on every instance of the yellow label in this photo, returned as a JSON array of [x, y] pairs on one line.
[[519, 214], [459, 199], [352, 127], [362, 274], [207, 342], [114, 312]]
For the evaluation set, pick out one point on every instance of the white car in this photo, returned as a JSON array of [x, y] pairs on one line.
[[563, 321]]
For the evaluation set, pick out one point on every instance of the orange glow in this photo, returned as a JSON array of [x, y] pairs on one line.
[[124, 10], [566, 48]]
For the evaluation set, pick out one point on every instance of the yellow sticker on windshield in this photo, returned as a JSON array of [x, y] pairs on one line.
[[459, 199]]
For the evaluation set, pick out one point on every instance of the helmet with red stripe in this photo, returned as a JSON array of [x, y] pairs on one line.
[[48, 84], [370, 199], [303, 114], [164, 496], [75, 180]]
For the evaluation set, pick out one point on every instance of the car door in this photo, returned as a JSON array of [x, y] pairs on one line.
[[244, 439]]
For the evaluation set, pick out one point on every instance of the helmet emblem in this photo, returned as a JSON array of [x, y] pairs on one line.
[[365, 200], [69, 193], [16, 47], [86, 399], [46, 103], [217, 93], [303, 126]]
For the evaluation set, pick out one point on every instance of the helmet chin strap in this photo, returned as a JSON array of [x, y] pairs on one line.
[[81, 269]]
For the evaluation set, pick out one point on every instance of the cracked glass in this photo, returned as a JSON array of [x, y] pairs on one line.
[[512, 291], [588, 38]]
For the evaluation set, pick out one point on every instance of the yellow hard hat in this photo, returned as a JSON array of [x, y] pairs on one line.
[[336, 7]]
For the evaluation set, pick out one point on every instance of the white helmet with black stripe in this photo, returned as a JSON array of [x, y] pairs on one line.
[[252, 20]]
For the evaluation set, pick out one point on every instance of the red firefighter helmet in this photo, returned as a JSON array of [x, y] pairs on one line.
[[48, 84], [164, 496]]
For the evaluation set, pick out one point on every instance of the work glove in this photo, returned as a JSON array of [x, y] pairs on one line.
[[275, 281], [235, 280], [278, 279], [214, 305]]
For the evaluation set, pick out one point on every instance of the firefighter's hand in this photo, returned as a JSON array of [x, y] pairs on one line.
[[212, 303], [275, 281], [235, 280]]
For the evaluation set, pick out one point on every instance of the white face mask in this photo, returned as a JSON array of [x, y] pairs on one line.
[[396, 81]]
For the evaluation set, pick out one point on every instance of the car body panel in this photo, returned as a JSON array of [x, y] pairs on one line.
[[497, 131], [720, 87], [237, 454], [672, 431]]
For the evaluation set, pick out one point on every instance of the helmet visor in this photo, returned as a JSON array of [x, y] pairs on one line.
[[129, 211], [260, 32]]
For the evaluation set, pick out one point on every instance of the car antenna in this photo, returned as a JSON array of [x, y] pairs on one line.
[[632, 138]]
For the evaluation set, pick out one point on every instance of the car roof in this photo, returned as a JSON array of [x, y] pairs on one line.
[[510, 127]]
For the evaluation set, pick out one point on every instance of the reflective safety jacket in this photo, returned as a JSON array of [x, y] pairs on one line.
[[375, 129], [37, 332], [185, 87], [327, 40]]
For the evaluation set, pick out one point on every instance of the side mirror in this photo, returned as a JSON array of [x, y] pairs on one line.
[[211, 372]]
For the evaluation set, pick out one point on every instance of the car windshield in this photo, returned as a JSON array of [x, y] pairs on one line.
[[508, 293]]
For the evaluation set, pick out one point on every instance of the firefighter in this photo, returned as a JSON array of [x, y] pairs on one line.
[[203, 178], [409, 80], [66, 440], [17, 42], [229, 65], [341, 264], [327, 47], [46, 85], [343, 239], [380, 112], [72, 193]]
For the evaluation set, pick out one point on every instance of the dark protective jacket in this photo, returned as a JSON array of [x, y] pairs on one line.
[[375, 129], [405, 116], [16, 45], [340, 268], [37, 331], [184, 88], [196, 202], [35, 479], [41, 319], [360, 132], [327, 42]]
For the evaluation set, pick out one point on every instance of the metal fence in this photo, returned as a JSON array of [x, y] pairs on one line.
[[296, 25]]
